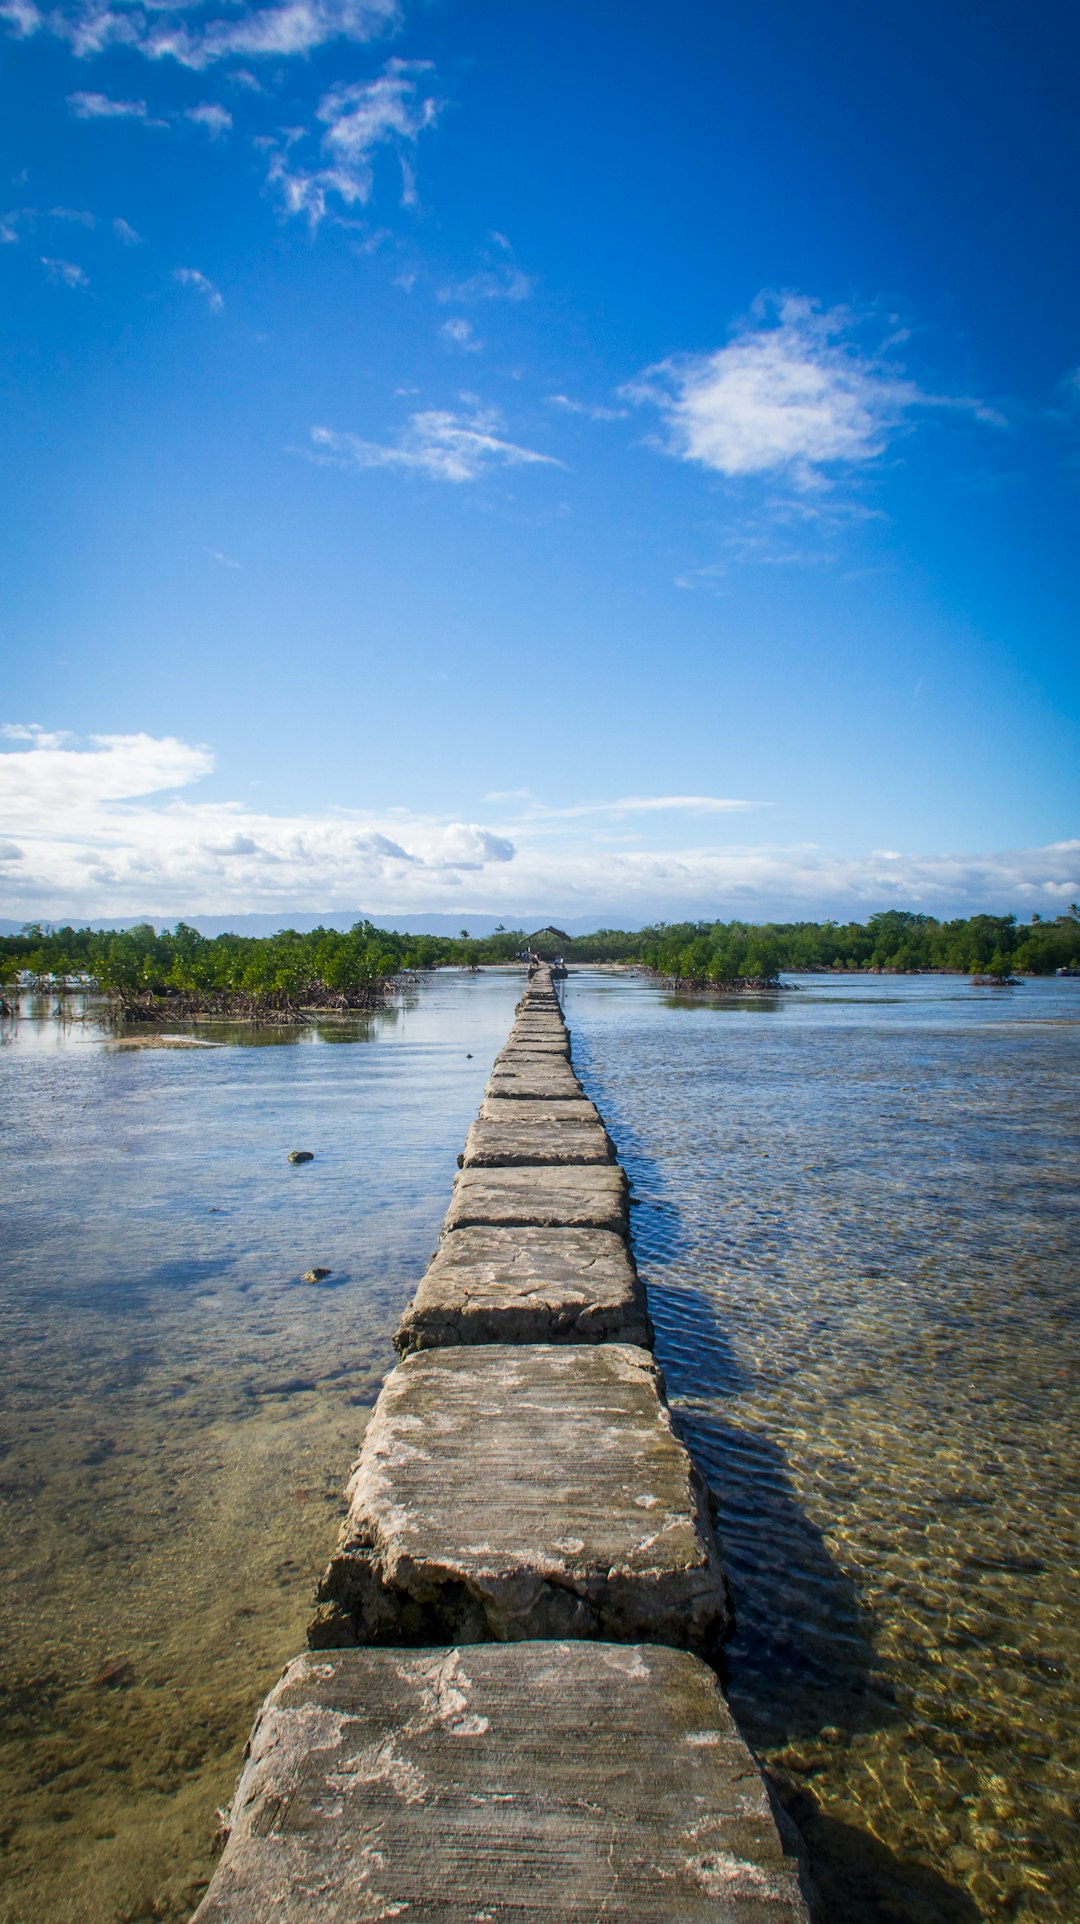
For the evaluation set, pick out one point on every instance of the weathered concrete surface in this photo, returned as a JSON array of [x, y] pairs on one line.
[[527, 1286], [528, 1046], [500, 1145], [552, 1781], [506, 1109], [532, 1490], [527, 1079], [568, 1196]]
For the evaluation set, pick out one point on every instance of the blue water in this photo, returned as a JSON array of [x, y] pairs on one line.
[[855, 1206]]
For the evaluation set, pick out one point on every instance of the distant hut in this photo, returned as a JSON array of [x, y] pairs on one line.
[[548, 943]]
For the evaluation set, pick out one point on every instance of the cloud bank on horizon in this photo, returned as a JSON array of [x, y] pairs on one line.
[[444, 455], [104, 822]]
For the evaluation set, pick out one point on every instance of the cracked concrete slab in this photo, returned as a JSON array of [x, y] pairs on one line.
[[489, 1285], [526, 1490], [500, 1145], [558, 1781], [567, 1196]]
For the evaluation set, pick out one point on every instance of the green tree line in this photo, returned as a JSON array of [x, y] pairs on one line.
[[328, 967], [143, 965]]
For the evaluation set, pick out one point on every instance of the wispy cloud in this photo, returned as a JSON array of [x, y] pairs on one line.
[[589, 410], [392, 111], [183, 33], [191, 277], [648, 805], [505, 283], [102, 107], [212, 118], [126, 233], [436, 443], [498, 279], [65, 272], [459, 333], [795, 393]]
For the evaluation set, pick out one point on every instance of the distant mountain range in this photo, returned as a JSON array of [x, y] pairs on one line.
[[477, 925]]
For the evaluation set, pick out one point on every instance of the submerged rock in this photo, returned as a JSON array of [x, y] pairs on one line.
[[301, 1155], [315, 1275]]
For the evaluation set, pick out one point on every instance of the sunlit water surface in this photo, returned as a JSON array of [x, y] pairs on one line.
[[856, 1210]]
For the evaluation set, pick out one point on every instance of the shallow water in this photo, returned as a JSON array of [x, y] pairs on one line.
[[180, 1410], [857, 1215], [857, 1212]]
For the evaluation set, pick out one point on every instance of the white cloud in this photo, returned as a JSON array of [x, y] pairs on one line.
[[236, 845], [53, 781], [213, 119], [101, 107], [584, 408], [181, 32], [191, 277], [391, 110], [95, 830], [126, 233], [794, 393], [22, 16], [65, 271], [94, 826], [436, 443], [459, 333]]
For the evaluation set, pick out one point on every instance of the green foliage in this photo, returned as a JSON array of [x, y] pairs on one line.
[[351, 968]]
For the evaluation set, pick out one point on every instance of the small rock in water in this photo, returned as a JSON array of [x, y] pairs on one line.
[[315, 1275], [301, 1155]]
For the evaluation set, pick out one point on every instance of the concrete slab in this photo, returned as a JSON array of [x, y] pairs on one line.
[[532, 1045], [506, 1109], [559, 1781], [565, 1197], [524, 1490], [528, 1080], [521, 1145], [489, 1285]]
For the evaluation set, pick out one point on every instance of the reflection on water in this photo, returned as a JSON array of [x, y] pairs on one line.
[[180, 1410], [857, 1213], [855, 1208]]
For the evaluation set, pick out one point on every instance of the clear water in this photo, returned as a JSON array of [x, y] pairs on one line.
[[180, 1410], [856, 1211]]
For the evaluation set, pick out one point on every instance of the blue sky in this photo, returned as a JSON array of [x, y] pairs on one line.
[[538, 460]]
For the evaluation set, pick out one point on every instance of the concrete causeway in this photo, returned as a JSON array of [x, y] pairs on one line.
[[508, 1712]]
